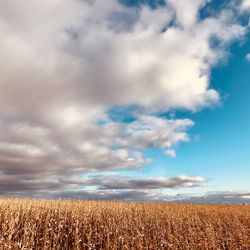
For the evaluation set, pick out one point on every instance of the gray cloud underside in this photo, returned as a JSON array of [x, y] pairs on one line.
[[105, 182], [64, 64], [11, 184]]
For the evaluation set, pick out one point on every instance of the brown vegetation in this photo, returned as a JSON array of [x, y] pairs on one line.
[[65, 224]]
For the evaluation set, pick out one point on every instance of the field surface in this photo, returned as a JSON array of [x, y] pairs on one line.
[[65, 224]]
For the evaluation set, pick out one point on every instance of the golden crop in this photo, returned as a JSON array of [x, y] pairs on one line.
[[67, 224]]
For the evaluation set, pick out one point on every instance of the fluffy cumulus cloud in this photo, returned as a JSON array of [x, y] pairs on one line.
[[65, 64], [146, 132]]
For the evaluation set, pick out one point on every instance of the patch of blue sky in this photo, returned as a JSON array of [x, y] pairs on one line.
[[123, 114], [151, 3], [212, 8]]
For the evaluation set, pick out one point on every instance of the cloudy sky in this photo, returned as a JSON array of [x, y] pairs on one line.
[[131, 100]]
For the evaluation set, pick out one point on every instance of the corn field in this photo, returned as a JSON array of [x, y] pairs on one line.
[[67, 224]]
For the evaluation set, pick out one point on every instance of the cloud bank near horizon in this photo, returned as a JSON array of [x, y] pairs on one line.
[[65, 64]]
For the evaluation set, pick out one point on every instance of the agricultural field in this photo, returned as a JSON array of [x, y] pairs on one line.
[[67, 224]]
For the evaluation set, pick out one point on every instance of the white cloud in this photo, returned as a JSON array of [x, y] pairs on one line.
[[248, 57], [187, 11], [136, 64], [146, 132], [171, 153], [245, 5], [65, 63]]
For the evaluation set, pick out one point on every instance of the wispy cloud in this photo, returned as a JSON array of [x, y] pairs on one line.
[[171, 153], [154, 196], [105, 182], [226, 197]]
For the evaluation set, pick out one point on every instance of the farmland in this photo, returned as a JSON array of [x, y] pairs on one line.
[[67, 224]]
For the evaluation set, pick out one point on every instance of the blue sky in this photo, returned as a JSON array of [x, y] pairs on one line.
[[130, 100]]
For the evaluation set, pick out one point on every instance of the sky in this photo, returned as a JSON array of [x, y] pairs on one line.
[[133, 100]]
